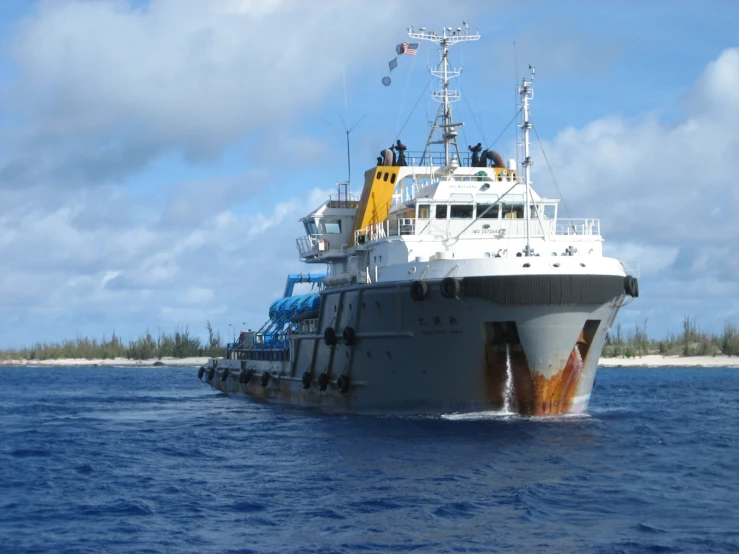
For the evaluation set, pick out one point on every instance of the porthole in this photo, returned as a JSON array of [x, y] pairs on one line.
[[384, 177], [379, 174], [527, 265], [392, 178], [412, 270], [555, 265]]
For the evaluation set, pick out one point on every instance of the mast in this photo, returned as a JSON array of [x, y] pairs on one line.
[[443, 123], [526, 92]]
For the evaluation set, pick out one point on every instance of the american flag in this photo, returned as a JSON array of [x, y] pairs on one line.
[[409, 49]]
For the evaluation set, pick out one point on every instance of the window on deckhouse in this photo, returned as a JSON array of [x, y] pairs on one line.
[[441, 211], [463, 211], [485, 211]]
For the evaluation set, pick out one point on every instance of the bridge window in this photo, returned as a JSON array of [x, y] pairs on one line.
[[549, 211], [463, 211], [332, 227], [424, 211], [513, 211], [310, 227], [441, 210], [492, 213]]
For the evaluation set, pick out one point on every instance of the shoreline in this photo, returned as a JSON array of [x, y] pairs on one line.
[[94, 362], [650, 361]]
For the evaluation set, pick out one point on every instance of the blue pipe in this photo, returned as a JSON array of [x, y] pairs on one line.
[[295, 278]]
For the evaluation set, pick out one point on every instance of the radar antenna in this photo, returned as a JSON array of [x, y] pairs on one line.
[[443, 123]]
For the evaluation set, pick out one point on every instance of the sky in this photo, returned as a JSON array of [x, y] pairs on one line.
[[156, 156]]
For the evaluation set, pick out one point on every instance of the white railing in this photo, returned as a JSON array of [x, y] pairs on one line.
[[312, 244], [387, 228], [578, 227]]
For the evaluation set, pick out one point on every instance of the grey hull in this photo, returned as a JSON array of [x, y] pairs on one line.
[[440, 354]]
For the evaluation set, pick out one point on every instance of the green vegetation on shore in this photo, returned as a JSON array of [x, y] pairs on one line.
[[179, 344], [690, 342]]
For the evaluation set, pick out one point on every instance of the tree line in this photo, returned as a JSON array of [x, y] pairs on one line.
[[179, 344], [691, 341]]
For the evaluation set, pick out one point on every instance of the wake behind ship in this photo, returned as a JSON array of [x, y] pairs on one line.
[[452, 286]]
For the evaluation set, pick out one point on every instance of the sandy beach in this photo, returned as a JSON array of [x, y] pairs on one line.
[[657, 360], [641, 361]]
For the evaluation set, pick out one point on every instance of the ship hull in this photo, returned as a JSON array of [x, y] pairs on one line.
[[506, 343]]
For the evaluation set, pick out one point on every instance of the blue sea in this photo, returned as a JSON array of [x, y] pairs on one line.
[[116, 460]]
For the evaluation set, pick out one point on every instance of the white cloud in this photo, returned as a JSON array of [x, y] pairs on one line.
[[666, 192]]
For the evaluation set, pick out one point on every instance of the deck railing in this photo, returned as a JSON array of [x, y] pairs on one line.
[[578, 227], [311, 244]]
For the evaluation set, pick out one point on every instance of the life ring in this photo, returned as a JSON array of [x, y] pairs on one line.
[[323, 381], [419, 290], [329, 336], [245, 376], [201, 372], [224, 374], [307, 379], [450, 287], [211, 373], [344, 383], [265, 378], [349, 335]]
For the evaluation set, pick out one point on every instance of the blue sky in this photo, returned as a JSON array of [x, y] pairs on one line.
[[155, 156]]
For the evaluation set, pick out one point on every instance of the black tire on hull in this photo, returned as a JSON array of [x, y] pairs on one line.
[[329, 336], [349, 336], [246, 376], [307, 380], [323, 382], [344, 383], [201, 372], [224, 374], [631, 286], [419, 290], [265, 378], [450, 287], [211, 373]]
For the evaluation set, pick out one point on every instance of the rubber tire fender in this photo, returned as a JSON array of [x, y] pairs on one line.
[[201, 372], [636, 287], [349, 335], [245, 376], [344, 384], [629, 285], [419, 290], [224, 374], [323, 382], [329, 336], [211, 373], [307, 379], [265, 378], [450, 287]]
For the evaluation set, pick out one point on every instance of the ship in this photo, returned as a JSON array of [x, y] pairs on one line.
[[451, 286]]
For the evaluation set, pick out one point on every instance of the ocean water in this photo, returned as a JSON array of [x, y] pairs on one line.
[[152, 460]]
